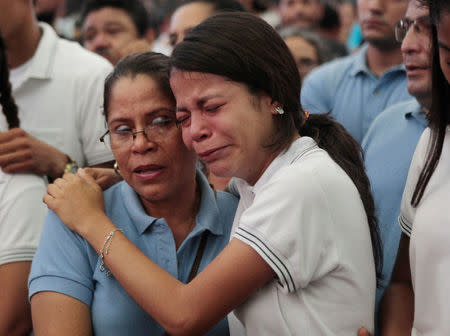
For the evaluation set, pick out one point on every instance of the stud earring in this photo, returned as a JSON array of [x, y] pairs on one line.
[[279, 110]]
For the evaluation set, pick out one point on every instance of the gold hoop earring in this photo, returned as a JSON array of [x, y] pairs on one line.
[[116, 168]]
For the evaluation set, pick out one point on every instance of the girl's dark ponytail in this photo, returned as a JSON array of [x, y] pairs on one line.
[[7, 102]]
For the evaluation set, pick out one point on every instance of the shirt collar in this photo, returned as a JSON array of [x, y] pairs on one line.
[[360, 64], [44, 57], [135, 209], [415, 110], [208, 217]]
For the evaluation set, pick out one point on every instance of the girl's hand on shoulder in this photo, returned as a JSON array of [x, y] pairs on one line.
[[77, 200], [104, 177]]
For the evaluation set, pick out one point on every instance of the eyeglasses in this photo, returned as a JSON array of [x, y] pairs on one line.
[[421, 26], [122, 136]]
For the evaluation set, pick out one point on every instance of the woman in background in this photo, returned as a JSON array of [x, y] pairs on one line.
[[308, 48]]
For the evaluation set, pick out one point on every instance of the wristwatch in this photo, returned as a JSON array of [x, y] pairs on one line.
[[71, 166]]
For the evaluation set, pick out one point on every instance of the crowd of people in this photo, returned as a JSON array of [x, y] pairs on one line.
[[224, 168]]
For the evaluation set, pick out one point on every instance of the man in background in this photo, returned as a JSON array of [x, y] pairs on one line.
[[392, 138], [116, 28], [358, 87]]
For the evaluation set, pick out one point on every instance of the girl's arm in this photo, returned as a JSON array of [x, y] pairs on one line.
[[58, 314], [397, 305], [181, 309], [15, 316]]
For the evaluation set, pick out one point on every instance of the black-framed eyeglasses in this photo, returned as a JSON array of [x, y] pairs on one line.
[[122, 137], [421, 26]]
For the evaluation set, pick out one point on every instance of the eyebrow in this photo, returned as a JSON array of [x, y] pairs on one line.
[[420, 18], [148, 114], [199, 102], [443, 46], [107, 24]]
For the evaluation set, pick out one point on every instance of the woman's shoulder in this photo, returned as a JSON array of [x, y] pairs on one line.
[[226, 197], [115, 193], [226, 203], [314, 166], [312, 179]]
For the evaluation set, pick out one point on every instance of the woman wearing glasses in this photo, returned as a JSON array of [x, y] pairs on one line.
[[164, 206]]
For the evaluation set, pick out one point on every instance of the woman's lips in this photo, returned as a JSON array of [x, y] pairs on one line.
[[148, 172], [211, 154]]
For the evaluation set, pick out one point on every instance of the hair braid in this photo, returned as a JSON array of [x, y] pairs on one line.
[[7, 102]]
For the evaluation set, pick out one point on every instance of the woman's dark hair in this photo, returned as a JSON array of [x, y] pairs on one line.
[[7, 102], [245, 49], [312, 37], [439, 116], [152, 64]]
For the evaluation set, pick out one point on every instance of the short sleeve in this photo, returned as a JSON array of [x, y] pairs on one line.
[[286, 225], [22, 214], [407, 211], [61, 263]]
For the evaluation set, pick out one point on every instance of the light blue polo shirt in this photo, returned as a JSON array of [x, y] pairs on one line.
[[388, 149], [353, 94], [66, 263]]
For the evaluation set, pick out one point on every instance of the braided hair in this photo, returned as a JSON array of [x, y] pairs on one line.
[[6, 99]]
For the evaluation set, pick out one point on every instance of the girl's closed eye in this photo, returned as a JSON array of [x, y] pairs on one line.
[[182, 119], [213, 108]]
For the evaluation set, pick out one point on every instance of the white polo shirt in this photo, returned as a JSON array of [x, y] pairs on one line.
[[59, 93], [428, 226], [305, 218], [22, 214]]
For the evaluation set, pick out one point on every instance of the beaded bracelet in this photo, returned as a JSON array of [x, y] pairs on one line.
[[105, 250]]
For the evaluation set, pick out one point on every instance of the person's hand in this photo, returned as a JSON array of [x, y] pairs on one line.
[[77, 200], [363, 332], [20, 152], [104, 177]]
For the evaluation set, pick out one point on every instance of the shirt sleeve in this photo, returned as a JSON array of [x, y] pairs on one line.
[[407, 211], [22, 214], [92, 122], [62, 263], [315, 96], [286, 225]]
